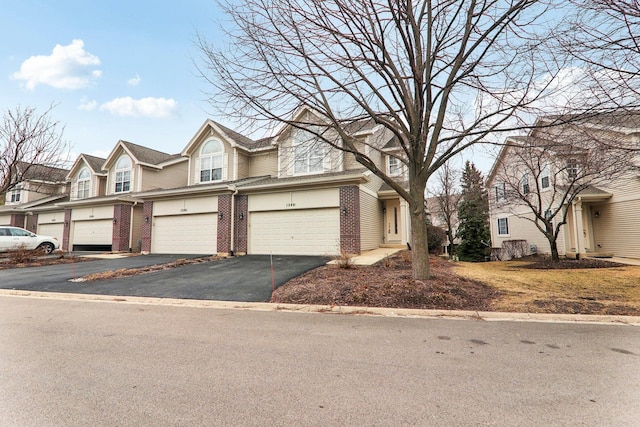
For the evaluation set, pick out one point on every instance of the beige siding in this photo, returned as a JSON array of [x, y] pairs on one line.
[[350, 159], [371, 226], [5, 219], [243, 165], [617, 228], [172, 176], [521, 228], [374, 183], [264, 164]]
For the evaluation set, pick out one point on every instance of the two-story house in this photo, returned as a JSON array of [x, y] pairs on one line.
[[32, 202], [601, 217], [102, 212], [289, 194]]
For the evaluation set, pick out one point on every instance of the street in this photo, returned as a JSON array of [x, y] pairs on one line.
[[76, 363]]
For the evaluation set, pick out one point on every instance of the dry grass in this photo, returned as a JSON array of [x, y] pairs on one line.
[[601, 290]]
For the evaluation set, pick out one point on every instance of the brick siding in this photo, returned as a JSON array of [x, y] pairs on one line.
[[17, 220], [350, 219], [67, 230], [147, 220], [242, 219], [224, 224], [121, 228]]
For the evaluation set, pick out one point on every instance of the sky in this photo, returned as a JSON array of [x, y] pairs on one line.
[[115, 70]]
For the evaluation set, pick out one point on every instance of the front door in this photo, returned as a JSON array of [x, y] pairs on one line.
[[392, 225]]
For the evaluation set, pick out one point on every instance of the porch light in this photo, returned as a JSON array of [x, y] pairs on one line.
[[146, 219], [344, 211], [596, 214], [115, 220], [241, 216], [220, 215]]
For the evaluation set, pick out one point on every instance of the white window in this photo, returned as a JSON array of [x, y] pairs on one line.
[[15, 194], [572, 168], [503, 226], [394, 166], [524, 184], [545, 180], [308, 153], [501, 192], [211, 155], [123, 174], [84, 184]]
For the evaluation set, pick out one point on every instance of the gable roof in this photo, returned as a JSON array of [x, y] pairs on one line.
[[41, 172], [94, 163], [624, 121], [235, 139], [142, 155]]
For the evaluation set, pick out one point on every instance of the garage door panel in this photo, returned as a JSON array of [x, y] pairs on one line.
[[99, 232], [185, 234], [296, 232], [53, 230]]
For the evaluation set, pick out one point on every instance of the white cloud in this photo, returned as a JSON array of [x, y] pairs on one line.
[[145, 107], [87, 105], [68, 67], [134, 81]]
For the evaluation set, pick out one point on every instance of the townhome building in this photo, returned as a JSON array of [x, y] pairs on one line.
[[594, 154], [225, 193]]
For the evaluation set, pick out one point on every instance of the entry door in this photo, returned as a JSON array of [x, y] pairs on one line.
[[392, 221]]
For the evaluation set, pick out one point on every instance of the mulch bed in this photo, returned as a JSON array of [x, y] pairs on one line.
[[544, 263], [387, 284], [39, 261]]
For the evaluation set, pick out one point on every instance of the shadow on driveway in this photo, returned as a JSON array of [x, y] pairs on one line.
[[246, 278]]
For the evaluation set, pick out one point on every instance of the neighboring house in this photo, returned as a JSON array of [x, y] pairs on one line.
[[602, 219], [31, 204], [102, 212]]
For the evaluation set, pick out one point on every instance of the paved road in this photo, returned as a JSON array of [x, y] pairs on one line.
[[78, 363], [246, 278]]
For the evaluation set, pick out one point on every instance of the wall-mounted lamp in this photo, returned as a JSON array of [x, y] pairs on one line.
[[344, 211], [384, 210], [596, 214], [115, 220], [241, 216], [220, 215], [146, 219], [66, 223]]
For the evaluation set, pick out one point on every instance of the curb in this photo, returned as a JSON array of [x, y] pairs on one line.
[[331, 309]]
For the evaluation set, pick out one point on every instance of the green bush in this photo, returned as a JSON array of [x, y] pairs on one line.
[[436, 237]]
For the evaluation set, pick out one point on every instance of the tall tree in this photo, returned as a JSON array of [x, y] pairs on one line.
[[439, 76], [473, 213], [29, 139], [445, 208]]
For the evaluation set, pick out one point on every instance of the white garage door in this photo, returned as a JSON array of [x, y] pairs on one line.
[[53, 230], [98, 232], [5, 219], [185, 234], [296, 232]]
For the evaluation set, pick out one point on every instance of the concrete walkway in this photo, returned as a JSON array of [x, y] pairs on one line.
[[372, 256]]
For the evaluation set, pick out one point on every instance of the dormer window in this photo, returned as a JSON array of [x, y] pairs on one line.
[[84, 184], [394, 166], [211, 155], [123, 174], [308, 153]]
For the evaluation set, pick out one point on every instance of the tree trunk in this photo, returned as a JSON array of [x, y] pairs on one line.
[[419, 247], [555, 256]]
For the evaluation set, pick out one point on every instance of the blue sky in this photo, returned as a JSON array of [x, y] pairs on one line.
[[115, 69]]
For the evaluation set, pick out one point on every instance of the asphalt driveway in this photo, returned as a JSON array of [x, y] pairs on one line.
[[246, 278]]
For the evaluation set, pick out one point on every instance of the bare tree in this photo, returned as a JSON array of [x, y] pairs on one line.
[[541, 175], [440, 76], [29, 139], [445, 208]]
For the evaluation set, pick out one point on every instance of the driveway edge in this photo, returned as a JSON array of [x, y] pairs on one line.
[[331, 309]]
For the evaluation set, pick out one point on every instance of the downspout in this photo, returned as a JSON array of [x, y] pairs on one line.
[[233, 218], [131, 226]]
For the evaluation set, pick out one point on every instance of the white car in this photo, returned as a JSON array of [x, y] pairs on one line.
[[12, 238]]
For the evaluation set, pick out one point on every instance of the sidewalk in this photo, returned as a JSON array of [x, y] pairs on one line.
[[372, 256]]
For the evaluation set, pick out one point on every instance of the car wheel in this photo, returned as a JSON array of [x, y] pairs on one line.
[[47, 248]]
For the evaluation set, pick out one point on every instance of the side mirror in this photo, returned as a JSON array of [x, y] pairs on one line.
[[33, 235]]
